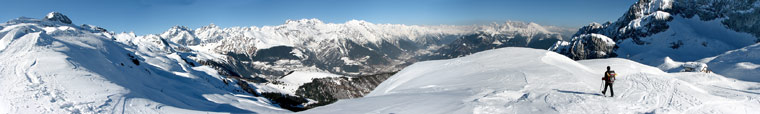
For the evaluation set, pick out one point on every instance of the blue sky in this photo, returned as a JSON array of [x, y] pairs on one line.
[[156, 16]]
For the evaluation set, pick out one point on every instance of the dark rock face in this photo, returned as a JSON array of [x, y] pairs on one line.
[[622, 29], [94, 28], [292, 103], [329, 90], [289, 102], [742, 21], [324, 90], [587, 46], [56, 16], [275, 53]]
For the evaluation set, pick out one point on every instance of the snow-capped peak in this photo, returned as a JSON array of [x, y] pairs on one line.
[[175, 30], [644, 8], [57, 16], [661, 5], [514, 27], [357, 22], [180, 28], [311, 21], [181, 35], [209, 26]]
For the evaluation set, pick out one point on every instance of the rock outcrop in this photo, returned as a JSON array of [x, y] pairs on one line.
[[58, 17]]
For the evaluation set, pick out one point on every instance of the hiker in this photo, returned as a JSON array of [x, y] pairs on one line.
[[609, 78]]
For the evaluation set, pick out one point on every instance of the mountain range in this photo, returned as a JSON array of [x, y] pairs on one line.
[[52, 65], [269, 65]]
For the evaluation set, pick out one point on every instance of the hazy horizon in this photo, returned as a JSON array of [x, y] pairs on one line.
[[153, 17]]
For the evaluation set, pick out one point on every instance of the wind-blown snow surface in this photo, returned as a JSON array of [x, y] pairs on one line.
[[742, 64], [51, 67], [521, 80]]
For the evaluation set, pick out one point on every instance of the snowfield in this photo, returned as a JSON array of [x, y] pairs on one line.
[[741, 64], [522, 80]]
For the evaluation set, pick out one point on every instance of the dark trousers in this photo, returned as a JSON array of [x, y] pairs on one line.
[[604, 92]]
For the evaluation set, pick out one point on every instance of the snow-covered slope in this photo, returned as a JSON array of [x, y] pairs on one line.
[[52, 66], [742, 64], [521, 80]]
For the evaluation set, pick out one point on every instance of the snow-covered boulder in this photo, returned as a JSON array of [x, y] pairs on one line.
[[586, 46], [695, 67], [669, 65]]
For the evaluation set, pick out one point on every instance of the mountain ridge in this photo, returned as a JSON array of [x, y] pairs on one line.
[[684, 30]]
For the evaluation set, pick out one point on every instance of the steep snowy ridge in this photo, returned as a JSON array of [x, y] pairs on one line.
[[522, 80], [683, 30], [55, 67]]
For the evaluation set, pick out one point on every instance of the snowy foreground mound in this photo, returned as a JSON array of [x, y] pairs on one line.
[[521, 80]]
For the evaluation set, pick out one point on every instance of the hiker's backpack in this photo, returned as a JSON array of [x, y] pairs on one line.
[[609, 76]]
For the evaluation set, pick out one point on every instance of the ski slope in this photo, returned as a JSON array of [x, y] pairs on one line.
[[521, 80]]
